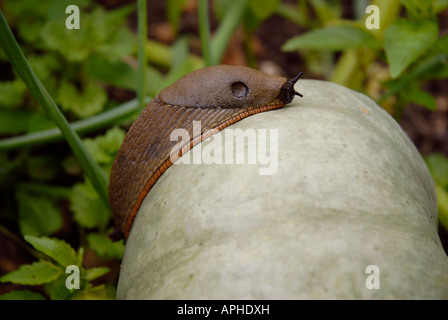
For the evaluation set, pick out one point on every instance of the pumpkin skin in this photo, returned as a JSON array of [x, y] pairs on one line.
[[350, 191]]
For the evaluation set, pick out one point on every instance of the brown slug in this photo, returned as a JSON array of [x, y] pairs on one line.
[[218, 96]]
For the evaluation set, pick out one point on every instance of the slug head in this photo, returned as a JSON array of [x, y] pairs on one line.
[[287, 91], [228, 87]]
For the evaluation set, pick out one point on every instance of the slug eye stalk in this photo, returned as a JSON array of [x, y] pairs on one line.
[[293, 82], [287, 91]]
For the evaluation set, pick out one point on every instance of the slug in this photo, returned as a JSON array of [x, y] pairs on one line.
[[218, 96]]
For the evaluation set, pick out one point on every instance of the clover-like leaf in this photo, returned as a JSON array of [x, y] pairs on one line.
[[39, 272], [57, 249]]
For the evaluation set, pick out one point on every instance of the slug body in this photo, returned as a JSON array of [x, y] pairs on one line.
[[217, 96]]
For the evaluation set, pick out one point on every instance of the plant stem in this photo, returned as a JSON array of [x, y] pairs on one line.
[[15, 55], [226, 29], [90, 124], [142, 58], [160, 55], [42, 189], [204, 32], [21, 243], [292, 13]]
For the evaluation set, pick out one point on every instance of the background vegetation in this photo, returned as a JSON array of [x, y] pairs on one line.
[[54, 210]]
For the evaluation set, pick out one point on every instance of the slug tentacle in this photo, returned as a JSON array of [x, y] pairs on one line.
[[217, 96], [287, 91]]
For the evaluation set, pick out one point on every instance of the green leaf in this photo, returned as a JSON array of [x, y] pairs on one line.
[[122, 75], [177, 72], [120, 44], [419, 8], [56, 10], [442, 44], [440, 5], [116, 73], [31, 274], [332, 38], [100, 31], [116, 18], [174, 10], [326, 10], [89, 210], [11, 94], [179, 54], [263, 8], [88, 102], [104, 148], [220, 7], [22, 295], [104, 247], [226, 30], [422, 98], [42, 167], [442, 199], [57, 249], [57, 290], [405, 41], [100, 292], [45, 65], [438, 165], [38, 215], [13, 121], [39, 122], [431, 66], [22, 67], [93, 273], [71, 44]]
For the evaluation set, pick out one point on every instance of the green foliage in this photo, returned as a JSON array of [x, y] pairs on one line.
[[52, 273], [263, 9], [89, 211], [57, 249], [22, 295], [31, 274], [105, 247], [45, 189], [438, 165], [336, 38], [405, 41], [103, 35], [410, 45], [105, 147], [38, 215], [174, 11]]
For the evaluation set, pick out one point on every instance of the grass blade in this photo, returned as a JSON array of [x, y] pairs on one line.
[[204, 32], [226, 29], [15, 55], [142, 58]]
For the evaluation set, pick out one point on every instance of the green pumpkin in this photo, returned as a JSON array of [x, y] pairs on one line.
[[350, 191]]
